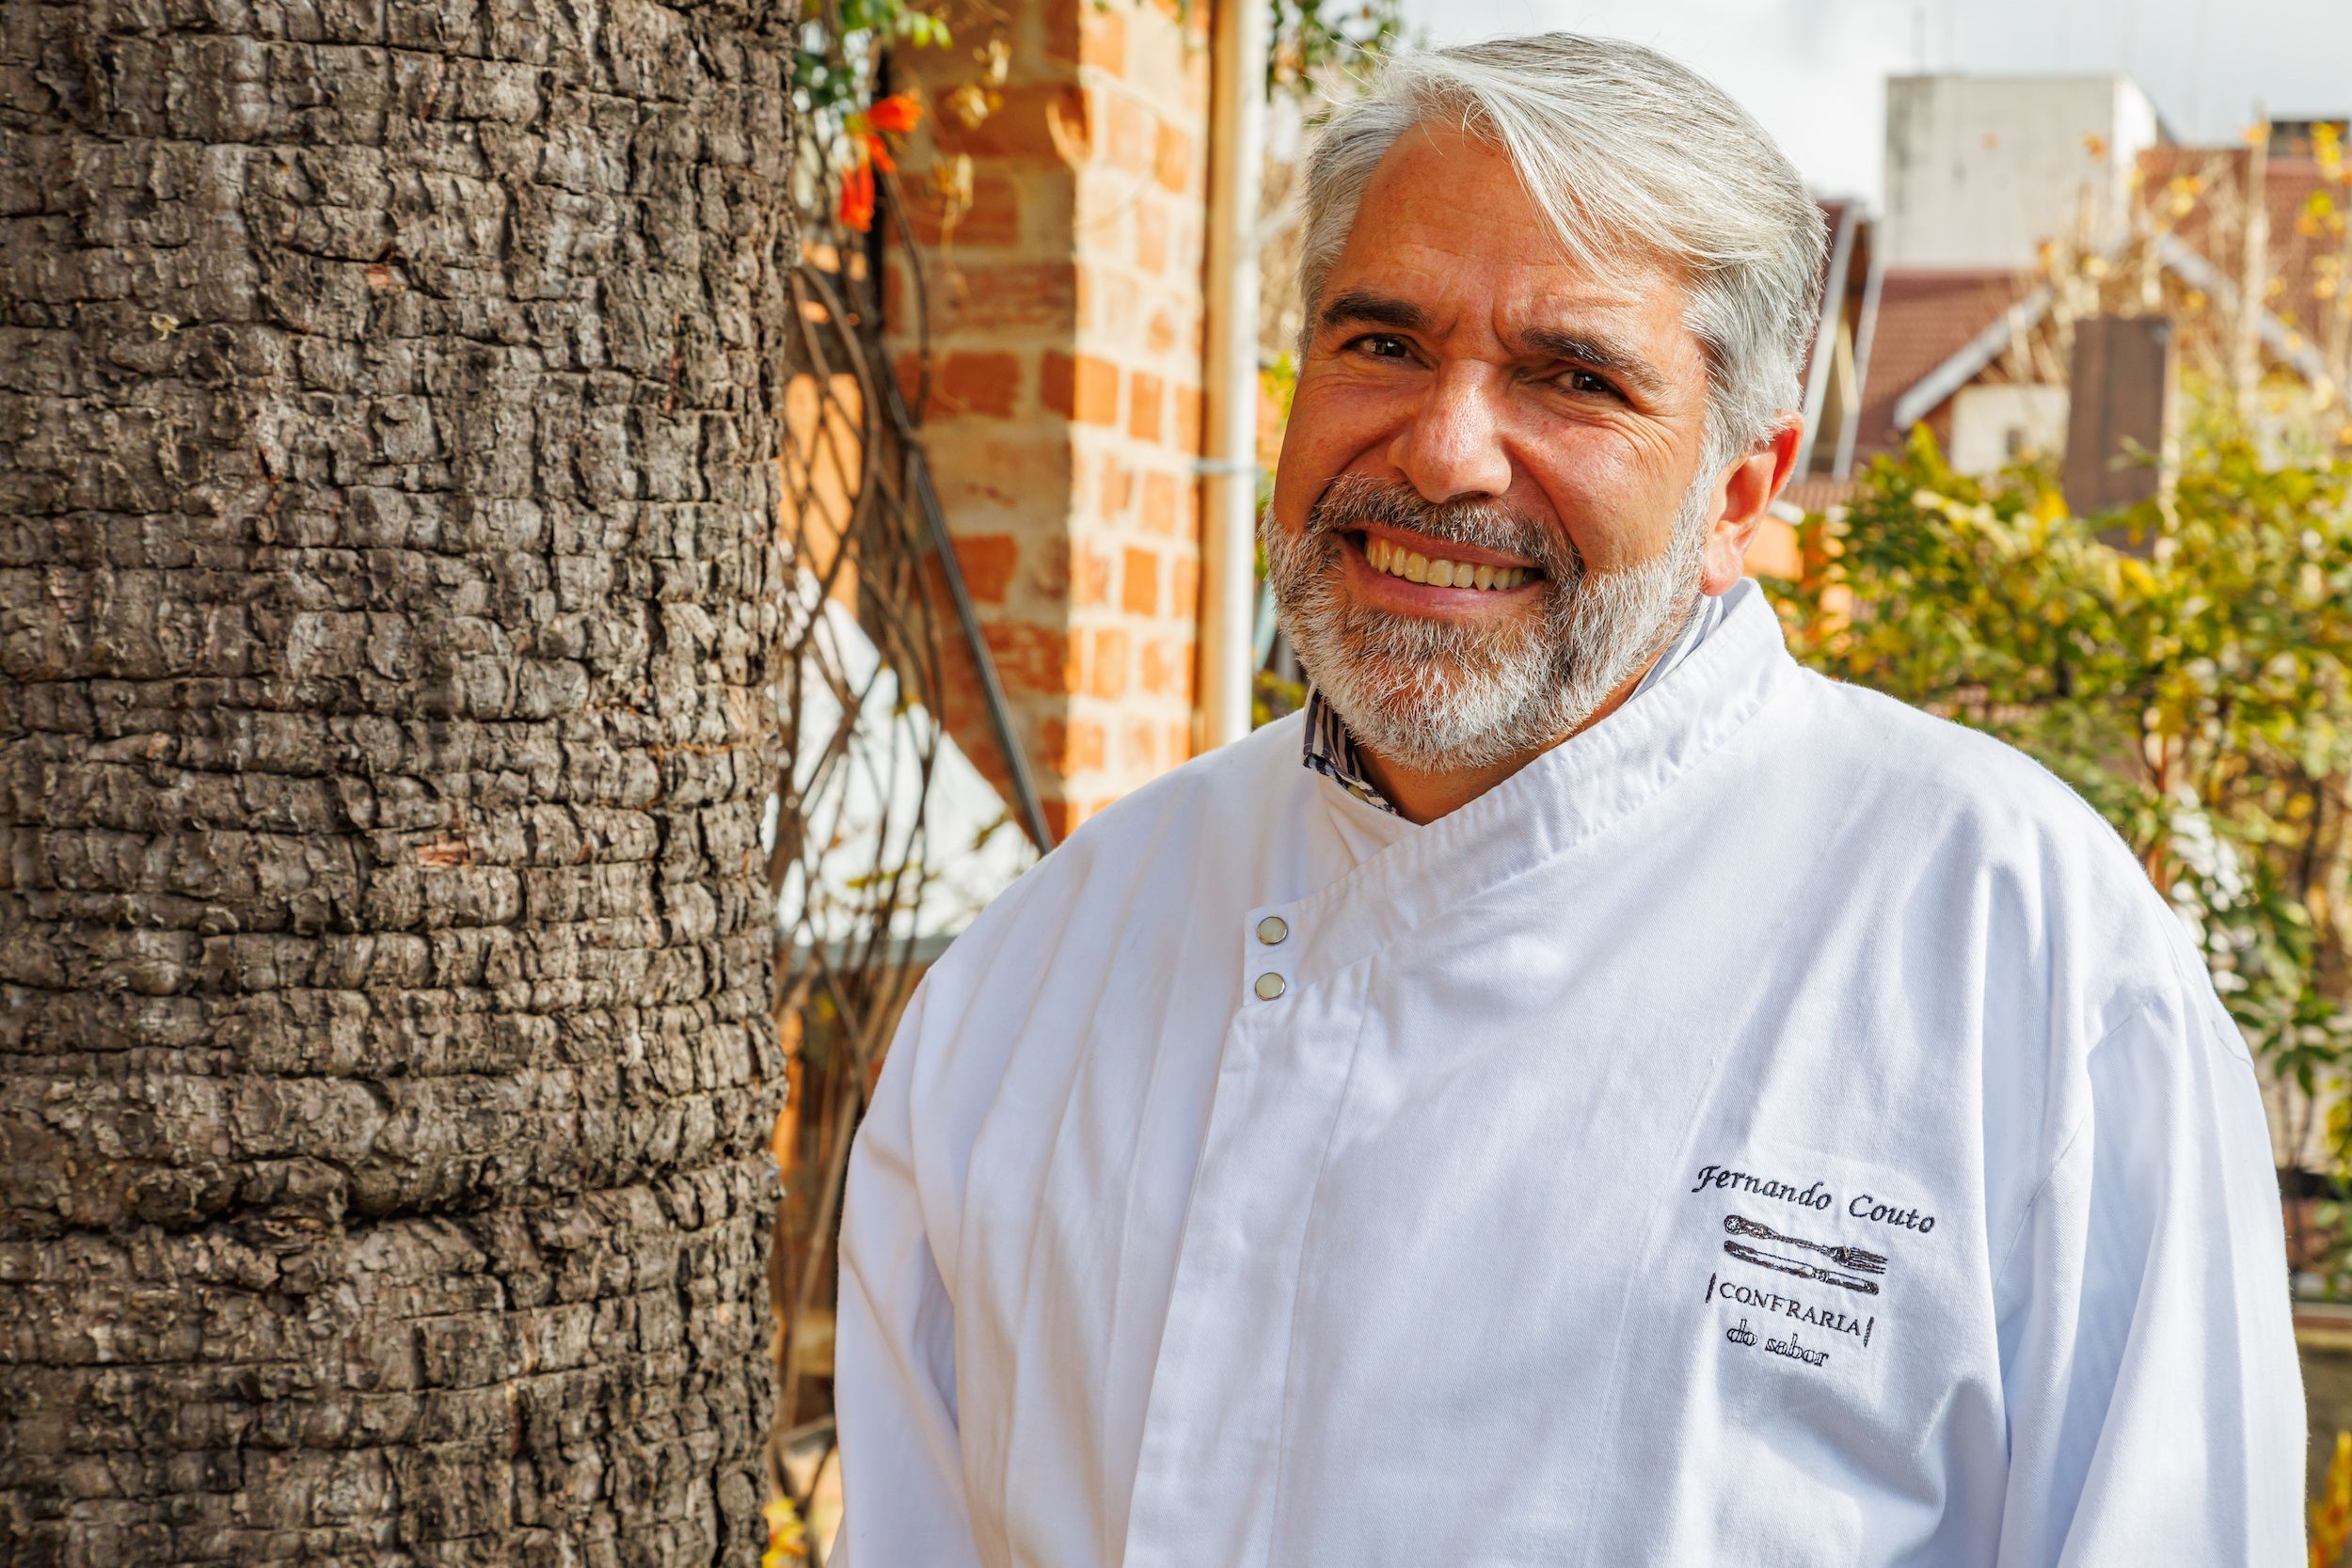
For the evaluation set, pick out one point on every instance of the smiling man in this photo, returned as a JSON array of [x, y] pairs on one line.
[[1587, 1092]]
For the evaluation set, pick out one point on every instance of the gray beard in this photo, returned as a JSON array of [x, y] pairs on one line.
[[1431, 694]]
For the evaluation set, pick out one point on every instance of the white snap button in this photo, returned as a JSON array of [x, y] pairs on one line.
[[1269, 986], [1273, 928]]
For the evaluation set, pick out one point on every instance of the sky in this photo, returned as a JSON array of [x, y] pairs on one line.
[[1814, 71]]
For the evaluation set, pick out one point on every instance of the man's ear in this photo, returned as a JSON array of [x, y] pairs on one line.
[[1744, 492]]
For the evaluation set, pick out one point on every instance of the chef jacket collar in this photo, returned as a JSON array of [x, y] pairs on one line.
[[1563, 800]]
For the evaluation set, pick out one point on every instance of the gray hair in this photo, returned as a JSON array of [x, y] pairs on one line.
[[1631, 157]]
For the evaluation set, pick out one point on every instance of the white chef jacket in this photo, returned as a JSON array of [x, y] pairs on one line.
[[1775, 1127]]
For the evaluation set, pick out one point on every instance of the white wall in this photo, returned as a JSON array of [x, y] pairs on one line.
[[1993, 426], [1980, 170]]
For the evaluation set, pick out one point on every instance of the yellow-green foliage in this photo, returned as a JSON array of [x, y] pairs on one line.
[[2331, 1511], [2197, 689]]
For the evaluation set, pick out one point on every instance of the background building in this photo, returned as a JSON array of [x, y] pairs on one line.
[[1980, 168]]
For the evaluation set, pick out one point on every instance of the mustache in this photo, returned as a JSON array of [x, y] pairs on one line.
[[1351, 501]]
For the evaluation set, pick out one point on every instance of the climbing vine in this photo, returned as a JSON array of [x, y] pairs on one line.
[[874, 608]]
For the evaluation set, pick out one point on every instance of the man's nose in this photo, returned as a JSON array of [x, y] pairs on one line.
[[1451, 446]]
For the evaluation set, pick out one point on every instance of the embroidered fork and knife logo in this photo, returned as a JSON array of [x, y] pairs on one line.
[[1854, 1263]]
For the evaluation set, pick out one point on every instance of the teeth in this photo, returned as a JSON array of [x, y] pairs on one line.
[[1398, 562]]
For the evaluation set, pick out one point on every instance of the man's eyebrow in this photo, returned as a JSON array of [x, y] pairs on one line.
[[1364, 308], [1595, 352]]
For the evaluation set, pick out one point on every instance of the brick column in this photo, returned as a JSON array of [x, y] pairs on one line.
[[1065, 411]]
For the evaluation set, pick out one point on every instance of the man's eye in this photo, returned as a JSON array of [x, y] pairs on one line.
[[1586, 383], [1383, 346]]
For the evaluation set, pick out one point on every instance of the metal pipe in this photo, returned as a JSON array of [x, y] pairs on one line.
[[1230, 471]]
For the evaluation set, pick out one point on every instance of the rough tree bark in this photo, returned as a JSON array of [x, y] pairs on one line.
[[387, 608]]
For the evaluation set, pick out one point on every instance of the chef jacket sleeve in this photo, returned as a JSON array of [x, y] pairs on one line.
[[893, 1347], [2147, 1343]]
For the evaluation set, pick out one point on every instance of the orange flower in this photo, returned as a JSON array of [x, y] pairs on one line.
[[897, 114], [857, 196]]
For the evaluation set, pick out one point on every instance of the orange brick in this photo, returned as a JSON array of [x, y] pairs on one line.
[[1119, 488], [1143, 405], [1183, 597], [1161, 335], [1154, 668], [1049, 210], [1157, 69], [1031, 657], [1023, 296], [994, 465], [1077, 747], [964, 713], [994, 217], [1061, 817], [1125, 130], [988, 561], [976, 384], [1056, 43], [1081, 388], [1106, 301], [1107, 676], [1188, 512], [1179, 743], [1139, 582], [1046, 566], [1139, 746], [1090, 577], [1151, 237], [1187, 404], [1171, 157], [1102, 38], [1042, 122], [1159, 504], [1093, 33]]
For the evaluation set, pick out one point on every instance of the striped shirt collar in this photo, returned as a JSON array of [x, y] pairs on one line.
[[1330, 750]]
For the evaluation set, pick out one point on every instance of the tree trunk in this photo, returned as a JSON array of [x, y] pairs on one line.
[[388, 602]]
